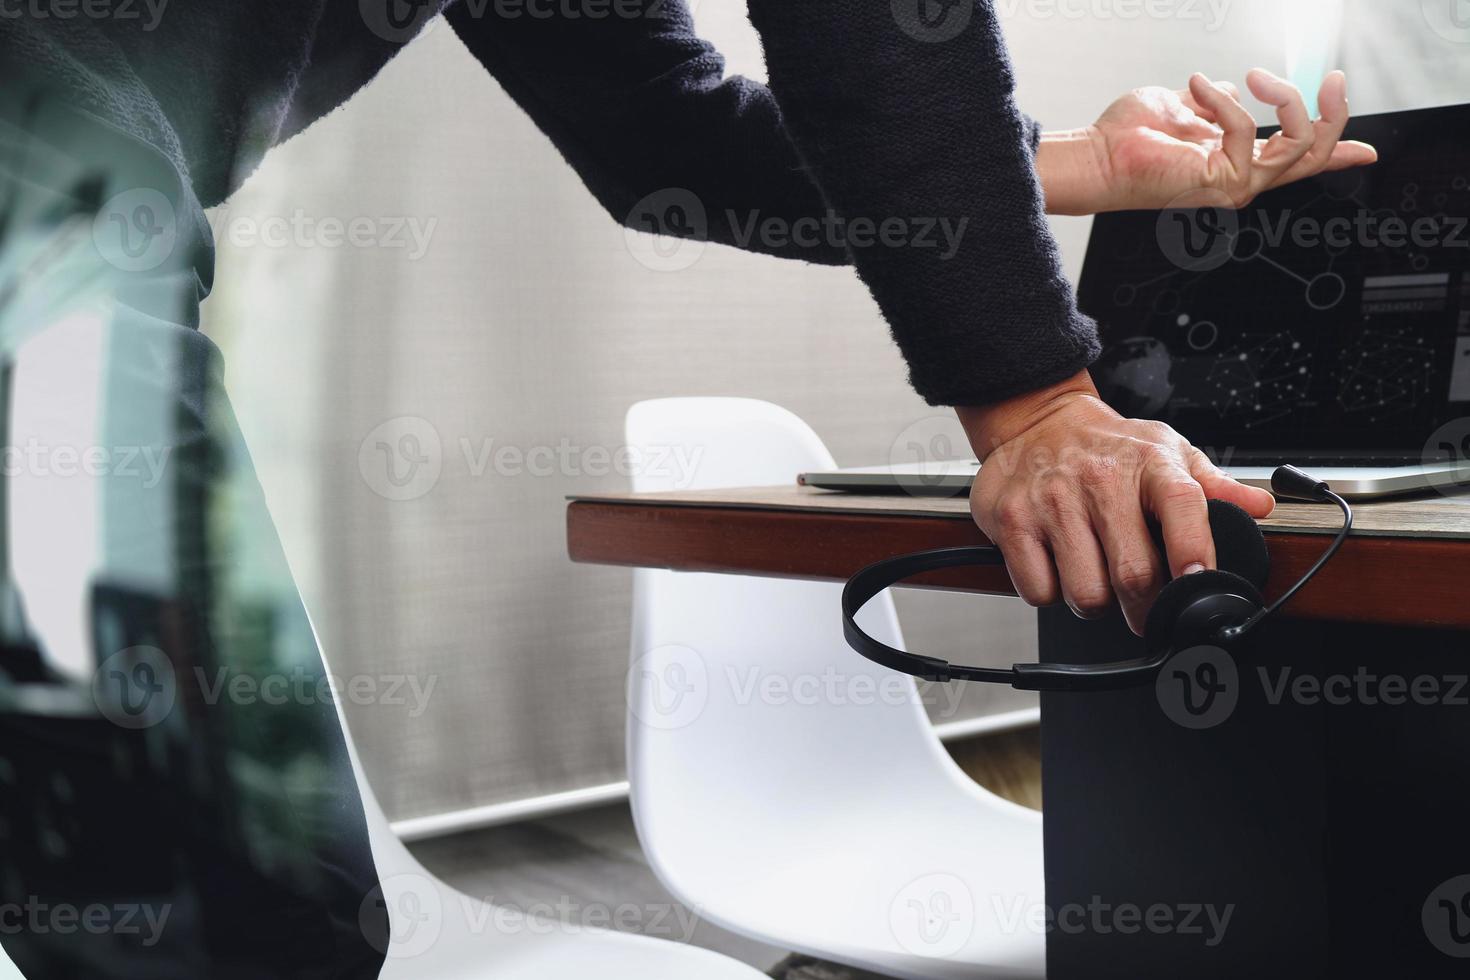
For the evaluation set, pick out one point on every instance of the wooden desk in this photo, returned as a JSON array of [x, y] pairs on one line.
[[1406, 564], [1324, 828]]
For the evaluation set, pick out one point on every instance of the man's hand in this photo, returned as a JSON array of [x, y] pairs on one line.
[[1067, 489], [1154, 146]]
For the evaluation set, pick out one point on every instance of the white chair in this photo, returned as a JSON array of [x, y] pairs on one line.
[[440, 933], [784, 787], [8, 969]]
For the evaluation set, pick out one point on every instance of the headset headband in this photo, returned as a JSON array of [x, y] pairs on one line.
[[1212, 607]]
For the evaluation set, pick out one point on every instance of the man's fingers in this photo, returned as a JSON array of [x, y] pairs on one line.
[[1030, 568], [1134, 567], [1183, 119], [1218, 486], [1080, 563], [1332, 103], [1291, 108], [1301, 149], [1010, 523], [1187, 97], [1297, 137], [1329, 153], [1238, 142], [1351, 153], [1178, 500]]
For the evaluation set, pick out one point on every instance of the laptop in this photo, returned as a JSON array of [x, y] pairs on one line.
[[1327, 324]]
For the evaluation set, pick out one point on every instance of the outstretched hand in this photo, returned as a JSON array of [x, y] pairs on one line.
[[1155, 147]]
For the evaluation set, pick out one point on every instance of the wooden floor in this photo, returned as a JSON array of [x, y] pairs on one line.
[[1008, 764], [587, 867]]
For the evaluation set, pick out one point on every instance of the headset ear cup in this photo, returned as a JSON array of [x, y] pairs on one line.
[[1159, 632], [1240, 547]]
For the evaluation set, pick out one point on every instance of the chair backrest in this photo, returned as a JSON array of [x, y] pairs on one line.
[[743, 694], [709, 443]]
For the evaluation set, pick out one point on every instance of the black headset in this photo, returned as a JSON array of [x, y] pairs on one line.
[[1216, 607]]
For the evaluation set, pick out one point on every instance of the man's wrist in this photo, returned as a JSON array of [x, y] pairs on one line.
[[992, 426], [1071, 172]]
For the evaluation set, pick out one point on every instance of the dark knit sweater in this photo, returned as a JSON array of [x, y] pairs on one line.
[[906, 156]]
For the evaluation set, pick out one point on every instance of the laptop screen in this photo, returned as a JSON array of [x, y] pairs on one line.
[[1332, 314]]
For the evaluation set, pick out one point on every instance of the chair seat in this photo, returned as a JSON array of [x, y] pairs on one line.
[[893, 888]]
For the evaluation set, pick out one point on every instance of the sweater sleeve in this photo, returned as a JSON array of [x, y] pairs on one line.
[[910, 121], [641, 109]]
